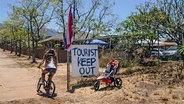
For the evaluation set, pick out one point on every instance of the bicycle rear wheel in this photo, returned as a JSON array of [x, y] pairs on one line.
[[51, 89]]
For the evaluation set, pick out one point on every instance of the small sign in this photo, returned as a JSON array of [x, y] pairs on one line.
[[84, 60]]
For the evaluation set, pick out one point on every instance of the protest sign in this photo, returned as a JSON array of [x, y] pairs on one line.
[[84, 60]]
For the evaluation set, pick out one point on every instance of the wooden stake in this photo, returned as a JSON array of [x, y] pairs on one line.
[[68, 71]]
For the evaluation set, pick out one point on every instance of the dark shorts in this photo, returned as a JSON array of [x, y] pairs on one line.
[[51, 70]]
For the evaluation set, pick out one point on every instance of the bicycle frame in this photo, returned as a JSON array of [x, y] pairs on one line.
[[47, 85]]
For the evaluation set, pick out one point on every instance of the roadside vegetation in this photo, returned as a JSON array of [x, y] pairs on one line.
[[152, 21]]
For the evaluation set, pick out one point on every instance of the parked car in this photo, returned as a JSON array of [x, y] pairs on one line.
[[171, 53], [155, 52]]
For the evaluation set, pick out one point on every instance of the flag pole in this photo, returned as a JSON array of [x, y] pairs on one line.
[[68, 71], [69, 39]]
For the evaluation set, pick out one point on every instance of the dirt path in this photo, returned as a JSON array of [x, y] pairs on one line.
[[16, 82], [18, 79]]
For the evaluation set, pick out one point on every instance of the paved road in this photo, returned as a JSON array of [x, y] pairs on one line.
[[16, 82]]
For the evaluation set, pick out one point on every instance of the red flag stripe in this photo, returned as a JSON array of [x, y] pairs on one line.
[[70, 34]]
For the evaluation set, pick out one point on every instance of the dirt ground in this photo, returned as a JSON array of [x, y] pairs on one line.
[[143, 86]]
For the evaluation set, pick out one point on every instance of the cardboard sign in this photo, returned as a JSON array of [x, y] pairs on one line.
[[84, 60]]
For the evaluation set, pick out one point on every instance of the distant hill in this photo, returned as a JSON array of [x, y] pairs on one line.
[[49, 32]]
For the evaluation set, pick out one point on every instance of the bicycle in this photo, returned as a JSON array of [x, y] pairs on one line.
[[45, 86]]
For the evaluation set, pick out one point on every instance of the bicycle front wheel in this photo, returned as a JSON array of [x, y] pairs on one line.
[[51, 89], [40, 86]]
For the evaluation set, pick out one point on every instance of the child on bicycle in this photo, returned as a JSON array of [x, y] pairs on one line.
[[50, 60]]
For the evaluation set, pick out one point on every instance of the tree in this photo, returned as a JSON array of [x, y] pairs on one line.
[[172, 25], [145, 25], [17, 27], [5, 31], [89, 21], [12, 34], [36, 14]]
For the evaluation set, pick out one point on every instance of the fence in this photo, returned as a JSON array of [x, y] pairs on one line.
[[62, 54]]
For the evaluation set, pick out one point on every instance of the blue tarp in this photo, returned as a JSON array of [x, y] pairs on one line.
[[98, 42]]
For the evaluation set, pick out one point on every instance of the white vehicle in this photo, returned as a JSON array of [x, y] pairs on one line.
[[171, 52], [155, 52]]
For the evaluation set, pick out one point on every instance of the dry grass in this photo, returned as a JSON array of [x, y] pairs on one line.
[[175, 97], [156, 93], [137, 88], [165, 99], [182, 97]]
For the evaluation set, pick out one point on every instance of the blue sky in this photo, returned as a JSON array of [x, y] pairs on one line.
[[4, 8], [122, 8]]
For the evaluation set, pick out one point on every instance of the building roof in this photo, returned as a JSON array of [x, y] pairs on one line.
[[55, 38], [168, 42]]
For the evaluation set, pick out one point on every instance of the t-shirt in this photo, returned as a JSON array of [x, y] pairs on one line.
[[51, 64]]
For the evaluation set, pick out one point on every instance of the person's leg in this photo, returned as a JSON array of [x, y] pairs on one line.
[[52, 72], [51, 76], [43, 75]]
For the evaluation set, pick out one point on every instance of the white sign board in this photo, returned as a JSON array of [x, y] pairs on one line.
[[84, 60]]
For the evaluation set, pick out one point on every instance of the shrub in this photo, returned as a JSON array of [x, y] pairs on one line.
[[128, 71], [103, 61]]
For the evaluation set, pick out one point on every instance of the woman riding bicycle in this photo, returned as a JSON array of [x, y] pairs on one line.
[[50, 60]]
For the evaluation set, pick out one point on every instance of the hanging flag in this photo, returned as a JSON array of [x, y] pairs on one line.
[[70, 34]]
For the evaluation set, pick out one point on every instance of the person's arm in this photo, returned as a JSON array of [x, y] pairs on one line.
[[41, 63]]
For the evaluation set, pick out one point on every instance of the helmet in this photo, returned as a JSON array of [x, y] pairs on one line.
[[51, 52]]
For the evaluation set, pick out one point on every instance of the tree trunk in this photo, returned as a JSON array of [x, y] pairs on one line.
[[20, 47], [4, 45], [11, 47], [33, 42], [28, 42], [33, 51], [16, 47]]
